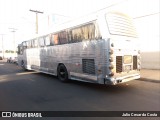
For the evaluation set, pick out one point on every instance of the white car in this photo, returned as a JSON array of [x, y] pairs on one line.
[[14, 60]]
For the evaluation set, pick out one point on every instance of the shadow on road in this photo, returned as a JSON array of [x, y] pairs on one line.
[[119, 88]]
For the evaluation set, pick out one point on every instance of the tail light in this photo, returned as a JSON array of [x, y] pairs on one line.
[[111, 66], [111, 59], [111, 51], [111, 74]]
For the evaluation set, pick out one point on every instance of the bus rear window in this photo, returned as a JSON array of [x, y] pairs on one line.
[[120, 24]]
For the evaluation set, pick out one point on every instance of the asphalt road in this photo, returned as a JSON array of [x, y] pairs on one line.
[[33, 91]]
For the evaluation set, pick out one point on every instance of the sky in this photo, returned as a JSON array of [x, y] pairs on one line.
[[16, 14]]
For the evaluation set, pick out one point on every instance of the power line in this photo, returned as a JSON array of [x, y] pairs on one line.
[[112, 5], [2, 44], [146, 15], [13, 30]]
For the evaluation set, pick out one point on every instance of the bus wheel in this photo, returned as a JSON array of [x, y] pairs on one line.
[[62, 73], [23, 66]]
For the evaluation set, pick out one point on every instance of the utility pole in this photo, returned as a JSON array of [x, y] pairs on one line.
[[13, 30], [36, 11], [2, 45]]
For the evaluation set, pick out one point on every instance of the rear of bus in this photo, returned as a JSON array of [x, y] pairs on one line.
[[123, 54]]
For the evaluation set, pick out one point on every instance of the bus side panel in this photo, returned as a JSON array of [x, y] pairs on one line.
[[88, 60]]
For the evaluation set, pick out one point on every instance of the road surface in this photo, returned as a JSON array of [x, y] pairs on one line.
[[34, 91]]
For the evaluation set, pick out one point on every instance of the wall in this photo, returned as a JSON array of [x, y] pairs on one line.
[[146, 14], [149, 36]]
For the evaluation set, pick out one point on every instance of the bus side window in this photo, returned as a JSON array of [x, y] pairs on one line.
[[74, 36], [70, 38], [62, 37], [97, 32], [36, 43], [52, 39], [47, 40], [33, 43], [41, 42], [77, 35], [56, 40], [89, 31], [91, 28], [27, 44], [85, 32], [24, 44]]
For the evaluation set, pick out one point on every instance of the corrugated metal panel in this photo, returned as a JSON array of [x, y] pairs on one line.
[[119, 67], [88, 66]]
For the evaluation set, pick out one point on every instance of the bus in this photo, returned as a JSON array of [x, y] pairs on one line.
[[100, 48]]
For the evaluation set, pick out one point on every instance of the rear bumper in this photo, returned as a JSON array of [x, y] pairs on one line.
[[114, 81]]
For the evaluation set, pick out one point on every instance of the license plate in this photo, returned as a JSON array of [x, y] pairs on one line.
[[127, 59]]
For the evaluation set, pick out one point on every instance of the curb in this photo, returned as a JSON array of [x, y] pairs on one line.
[[148, 80]]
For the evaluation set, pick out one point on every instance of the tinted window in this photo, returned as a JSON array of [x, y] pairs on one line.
[[77, 35], [85, 32], [52, 39], [91, 31], [36, 43], [55, 38], [63, 37], [47, 40], [41, 42], [70, 38], [32, 43], [29, 44]]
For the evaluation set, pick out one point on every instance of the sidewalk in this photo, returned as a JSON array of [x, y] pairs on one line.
[[150, 75]]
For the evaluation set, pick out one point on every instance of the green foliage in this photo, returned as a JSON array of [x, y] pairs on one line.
[[10, 51]]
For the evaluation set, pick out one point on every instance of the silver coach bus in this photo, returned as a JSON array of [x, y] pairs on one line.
[[99, 48]]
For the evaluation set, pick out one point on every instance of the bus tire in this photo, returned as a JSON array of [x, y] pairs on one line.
[[62, 73]]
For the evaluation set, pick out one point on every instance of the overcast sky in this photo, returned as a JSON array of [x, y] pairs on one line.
[[15, 11], [16, 14]]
